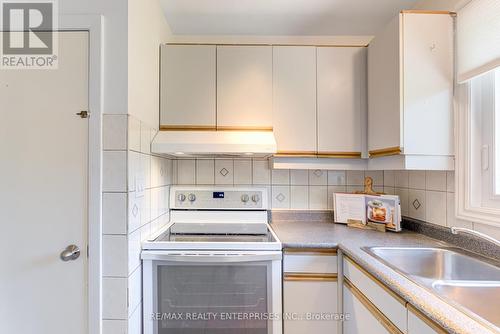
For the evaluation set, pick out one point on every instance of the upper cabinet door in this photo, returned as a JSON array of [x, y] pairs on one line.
[[428, 83], [244, 87], [341, 100], [294, 99], [188, 86]]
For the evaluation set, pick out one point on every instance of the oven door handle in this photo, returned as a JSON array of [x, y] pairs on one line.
[[211, 257]]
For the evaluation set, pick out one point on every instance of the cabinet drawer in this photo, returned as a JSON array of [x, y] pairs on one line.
[[391, 305], [321, 261]]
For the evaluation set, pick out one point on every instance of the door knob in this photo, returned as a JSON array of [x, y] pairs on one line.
[[72, 252]]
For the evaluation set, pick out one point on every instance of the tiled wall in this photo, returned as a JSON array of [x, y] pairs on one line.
[[135, 192], [425, 195]]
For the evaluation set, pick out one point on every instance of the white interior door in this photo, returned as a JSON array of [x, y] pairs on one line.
[[44, 194]]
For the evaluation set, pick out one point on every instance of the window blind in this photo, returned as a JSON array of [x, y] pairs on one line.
[[478, 38]]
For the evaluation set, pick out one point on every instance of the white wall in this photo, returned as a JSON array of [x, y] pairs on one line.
[[147, 29]]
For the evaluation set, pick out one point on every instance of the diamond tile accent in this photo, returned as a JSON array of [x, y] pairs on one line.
[[280, 197], [416, 204], [162, 171], [224, 172], [135, 210], [318, 172]]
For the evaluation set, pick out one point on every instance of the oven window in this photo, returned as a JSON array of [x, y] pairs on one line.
[[215, 298]]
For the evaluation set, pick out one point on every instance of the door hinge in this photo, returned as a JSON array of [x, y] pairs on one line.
[[83, 114]]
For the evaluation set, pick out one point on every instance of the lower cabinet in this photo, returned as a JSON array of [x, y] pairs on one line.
[[310, 291], [362, 315], [420, 324], [371, 307], [309, 303]]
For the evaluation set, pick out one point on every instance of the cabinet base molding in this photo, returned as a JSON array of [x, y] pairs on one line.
[[384, 321]]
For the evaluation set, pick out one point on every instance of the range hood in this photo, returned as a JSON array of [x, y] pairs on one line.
[[214, 143]]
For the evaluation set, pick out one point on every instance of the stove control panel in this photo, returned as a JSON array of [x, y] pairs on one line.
[[218, 198]]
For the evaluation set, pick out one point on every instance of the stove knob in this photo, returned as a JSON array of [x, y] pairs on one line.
[[255, 198], [181, 197], [244, 198], [192, 197]]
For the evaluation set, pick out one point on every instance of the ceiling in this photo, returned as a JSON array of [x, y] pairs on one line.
[[280, 17]]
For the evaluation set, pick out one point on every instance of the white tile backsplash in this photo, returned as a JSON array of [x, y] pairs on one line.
[[416, 179], [114, 298], [318, 198], [280, 197], [186, 172], [224, 172], [205, 171], [336, 178], [299, 177], [114, 173], [114, 134], [114, 327], [435, 207], [261, 173], [134, 290], [242, 171], [416, 204], [280, 177], [114, 255], [355, 177], [318, 177], [401, 178], [435, 180], [389, 178], [114, 213], [299, 198]]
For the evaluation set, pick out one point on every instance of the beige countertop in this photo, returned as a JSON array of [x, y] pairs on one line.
[[320, 234]]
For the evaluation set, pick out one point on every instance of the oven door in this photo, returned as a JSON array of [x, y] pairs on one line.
[[212, 292]]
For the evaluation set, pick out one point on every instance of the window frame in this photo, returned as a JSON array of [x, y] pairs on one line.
[[473, 202]]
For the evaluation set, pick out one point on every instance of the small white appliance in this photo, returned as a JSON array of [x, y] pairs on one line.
[[216, 268]]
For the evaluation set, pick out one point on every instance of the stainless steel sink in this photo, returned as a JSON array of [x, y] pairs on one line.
[[468, 282], [481, 297]]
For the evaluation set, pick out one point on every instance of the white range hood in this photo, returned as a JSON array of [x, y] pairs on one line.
[[214, 143]]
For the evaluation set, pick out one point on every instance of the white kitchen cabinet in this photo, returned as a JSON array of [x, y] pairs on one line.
[[393, 306], [294, 99], [363, 316], [341, 91], [244, 87], [310, 290], [420, 324], [188, 86], [410, 93]]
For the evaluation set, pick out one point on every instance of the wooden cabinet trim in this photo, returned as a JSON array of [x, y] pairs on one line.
[[383, 152], [187, 128], [309, 277], [212, 128], [310, 251], [425, 319], [375, 280], [417, 11], [384, 321]]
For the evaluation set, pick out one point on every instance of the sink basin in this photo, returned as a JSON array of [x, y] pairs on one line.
[[436, 263], [481, 297], [467, 282]]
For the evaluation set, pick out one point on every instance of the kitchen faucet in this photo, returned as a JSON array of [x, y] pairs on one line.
[[456, 230]]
